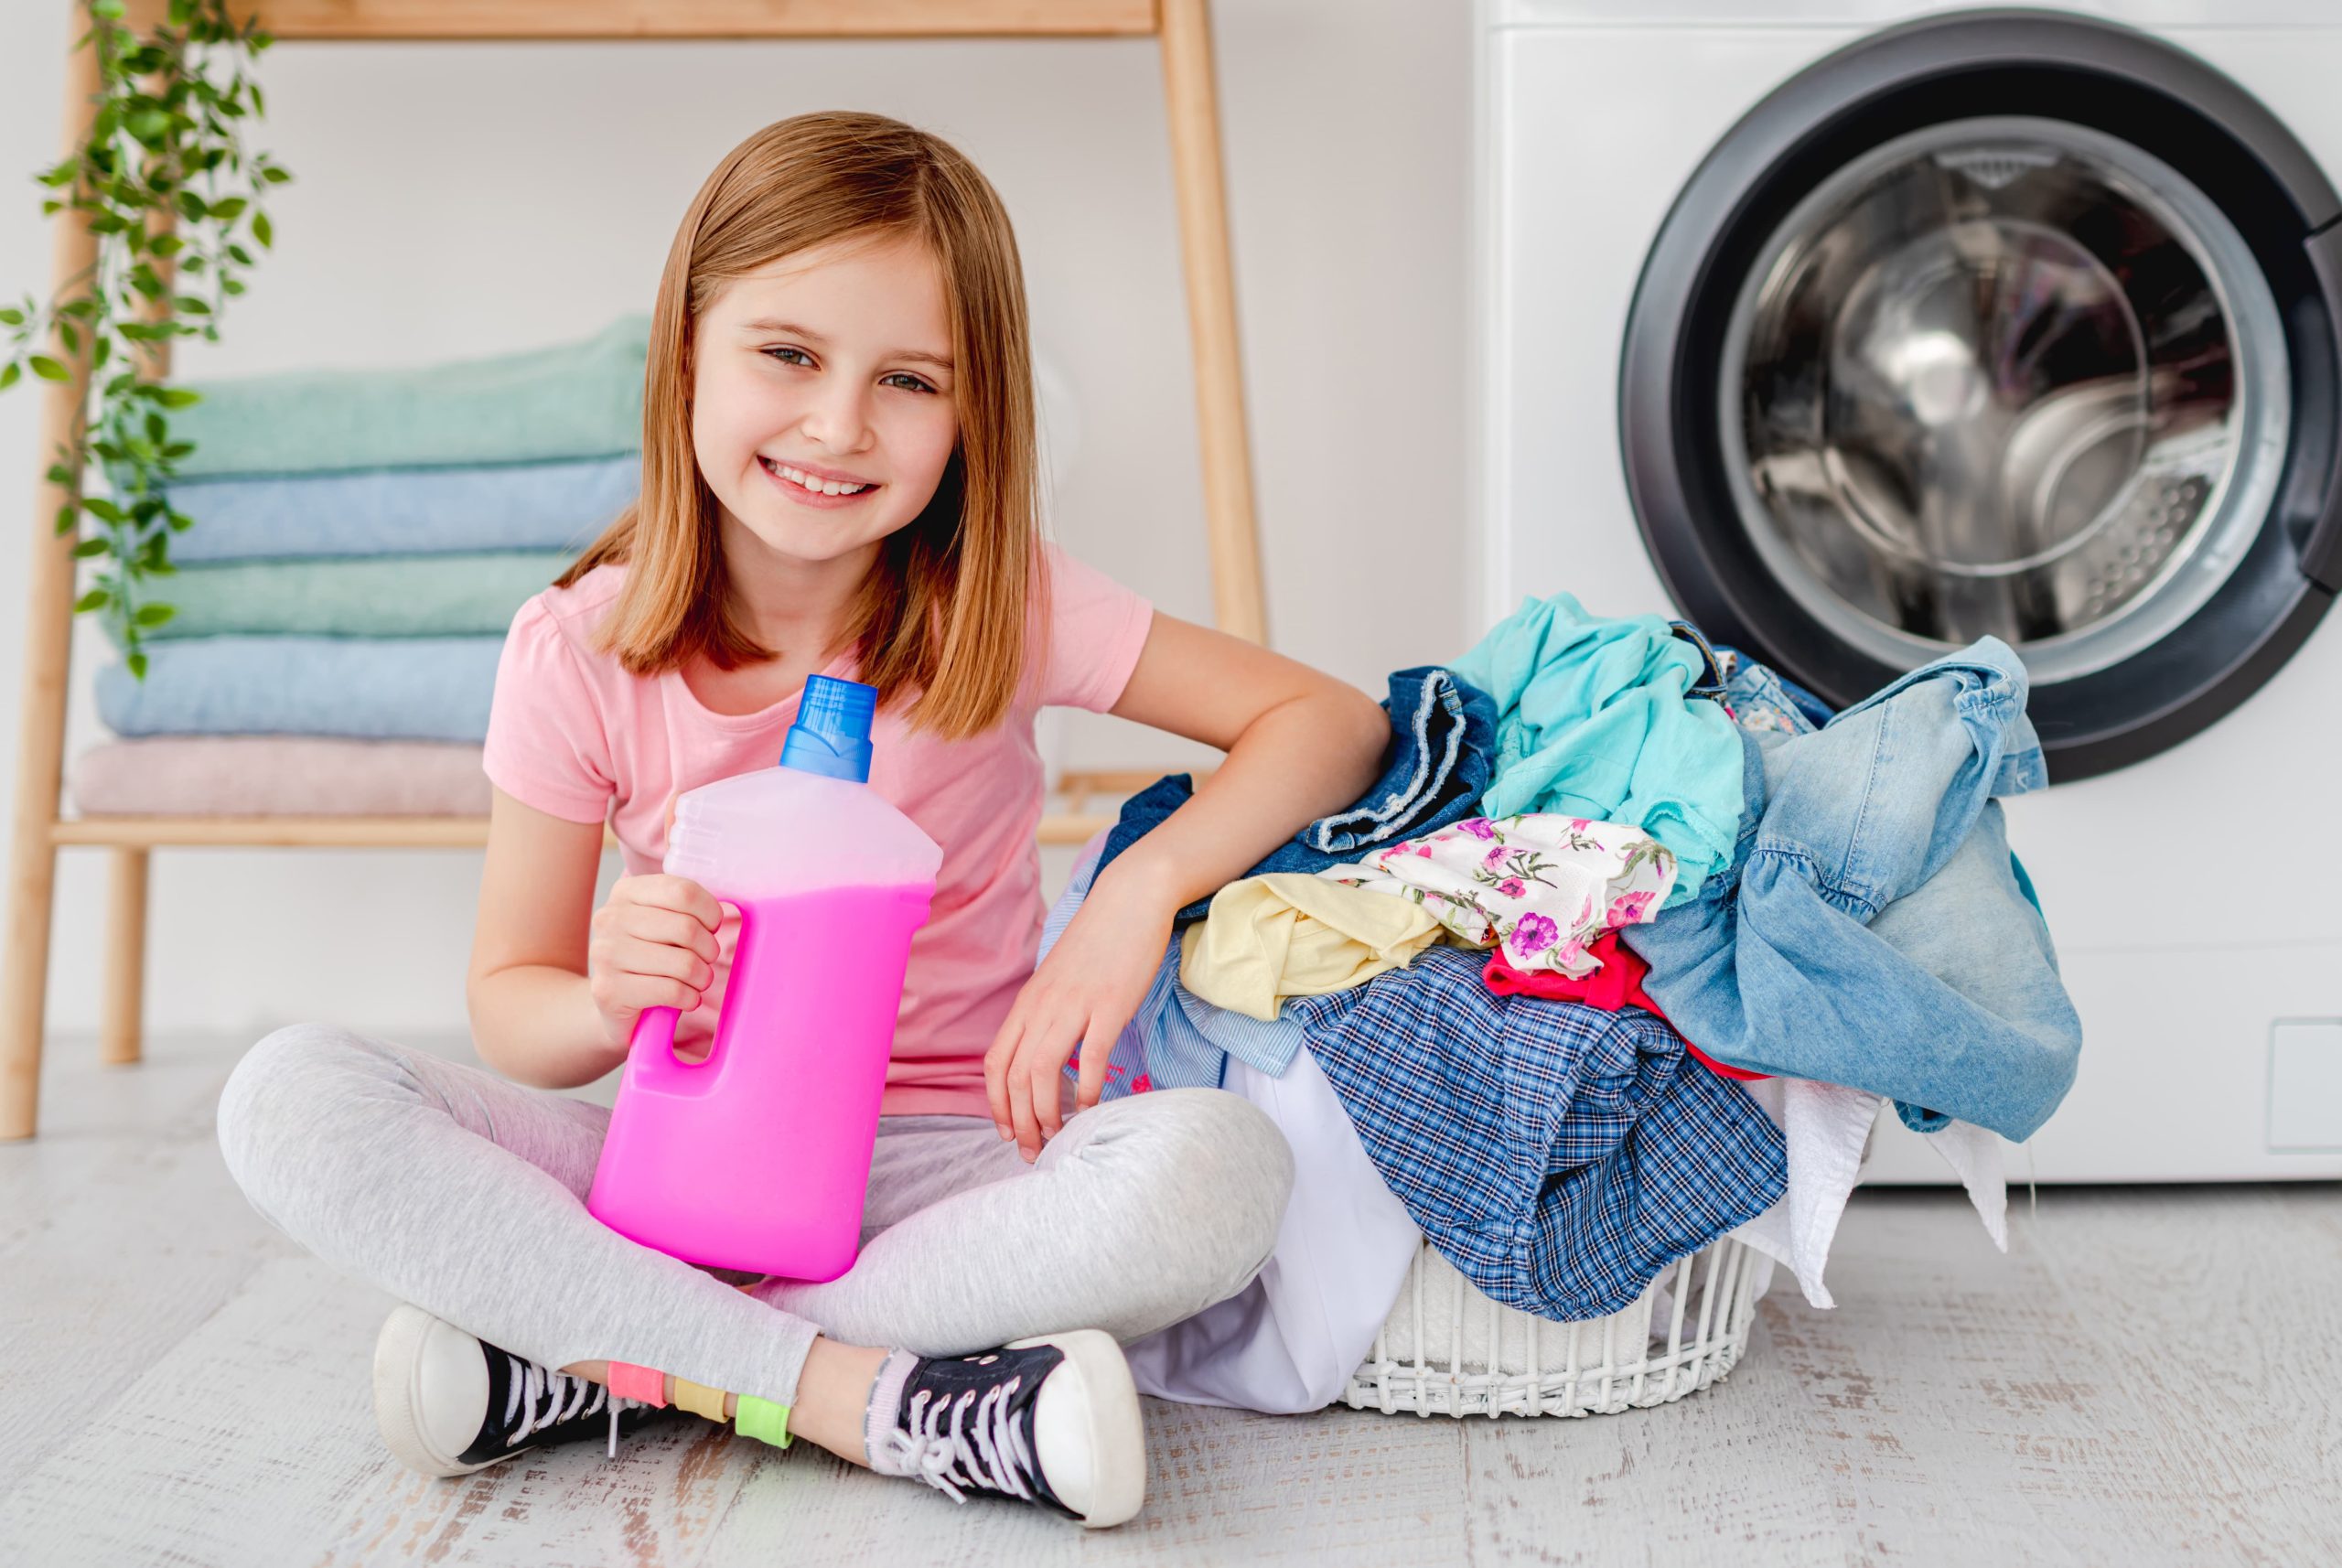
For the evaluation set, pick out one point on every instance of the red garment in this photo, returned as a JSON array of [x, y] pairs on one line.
[[1618, 983]]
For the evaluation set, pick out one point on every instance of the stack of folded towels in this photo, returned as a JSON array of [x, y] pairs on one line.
[[361, 543]]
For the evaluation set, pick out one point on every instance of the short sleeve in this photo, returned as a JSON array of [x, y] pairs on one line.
[[546, 745], [1097, 628]]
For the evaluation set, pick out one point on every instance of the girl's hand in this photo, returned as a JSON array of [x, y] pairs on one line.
[[1083, 993], [653, 945]]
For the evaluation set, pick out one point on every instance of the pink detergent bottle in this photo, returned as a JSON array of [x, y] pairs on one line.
[[757, 1157]]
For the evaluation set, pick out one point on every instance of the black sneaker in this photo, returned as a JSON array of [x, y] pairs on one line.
[[1053, 1421], [449, 1404]]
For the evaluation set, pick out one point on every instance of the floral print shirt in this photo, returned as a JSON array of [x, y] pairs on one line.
[[1542, 887]]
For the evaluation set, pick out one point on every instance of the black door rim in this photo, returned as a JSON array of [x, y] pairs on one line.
[[2107, 79]]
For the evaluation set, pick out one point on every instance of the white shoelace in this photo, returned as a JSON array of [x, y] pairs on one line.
[[982, 1445], [562, 1397]]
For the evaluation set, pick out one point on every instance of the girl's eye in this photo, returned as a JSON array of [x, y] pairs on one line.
[[802, 356], [907, 380]]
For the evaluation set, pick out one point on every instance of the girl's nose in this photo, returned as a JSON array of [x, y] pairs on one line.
[[839, 417]]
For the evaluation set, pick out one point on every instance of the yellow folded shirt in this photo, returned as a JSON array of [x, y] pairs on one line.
[[1286, 934]]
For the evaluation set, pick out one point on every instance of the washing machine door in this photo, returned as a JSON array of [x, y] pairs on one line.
[[2008, 324]]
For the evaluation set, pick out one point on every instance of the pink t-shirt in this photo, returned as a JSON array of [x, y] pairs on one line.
[[575, 736]]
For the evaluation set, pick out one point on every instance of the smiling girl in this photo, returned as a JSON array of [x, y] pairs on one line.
[[838, 476]]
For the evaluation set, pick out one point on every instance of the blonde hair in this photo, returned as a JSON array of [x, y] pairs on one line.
[[943, 613]]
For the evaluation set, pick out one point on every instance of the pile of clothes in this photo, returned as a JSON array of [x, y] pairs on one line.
[[1625, 952], [359, 543]]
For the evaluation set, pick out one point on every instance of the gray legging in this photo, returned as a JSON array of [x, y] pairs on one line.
[[464, 1194]]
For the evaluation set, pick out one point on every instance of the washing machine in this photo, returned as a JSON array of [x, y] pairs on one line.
[[1854, 331]]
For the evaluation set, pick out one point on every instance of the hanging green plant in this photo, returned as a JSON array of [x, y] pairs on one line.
[[167, 144]]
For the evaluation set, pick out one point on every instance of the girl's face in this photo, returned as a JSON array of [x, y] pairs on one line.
[[822, 410]]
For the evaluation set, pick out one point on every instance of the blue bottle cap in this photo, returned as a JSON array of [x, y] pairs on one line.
[[832, 735]]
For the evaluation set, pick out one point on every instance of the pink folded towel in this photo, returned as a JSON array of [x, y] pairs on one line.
[[273, 776]]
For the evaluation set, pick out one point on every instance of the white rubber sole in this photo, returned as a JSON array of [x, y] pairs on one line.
[[398, 1394], [1117, 1431]]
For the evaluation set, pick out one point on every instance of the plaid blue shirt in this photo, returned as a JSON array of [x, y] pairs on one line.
[[1557, 1154]]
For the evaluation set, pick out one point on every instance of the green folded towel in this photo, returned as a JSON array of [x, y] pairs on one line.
[[580, 399], [385, 596]]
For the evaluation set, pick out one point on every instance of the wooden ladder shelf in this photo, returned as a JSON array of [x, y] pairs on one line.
[[1182, 28]]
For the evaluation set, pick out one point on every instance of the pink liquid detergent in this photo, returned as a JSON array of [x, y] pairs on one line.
[[758, 1156]]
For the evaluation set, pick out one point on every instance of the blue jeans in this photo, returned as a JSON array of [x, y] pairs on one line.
[[1872, 930]]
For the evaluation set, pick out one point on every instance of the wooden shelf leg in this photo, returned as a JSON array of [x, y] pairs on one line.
[[48, 641], [1193, 104], [125, 997]]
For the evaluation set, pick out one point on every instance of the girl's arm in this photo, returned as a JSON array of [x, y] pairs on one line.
[[1300, 744], [556, 984]]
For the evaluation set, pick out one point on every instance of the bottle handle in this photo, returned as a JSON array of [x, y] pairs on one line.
[[650, 1051], [651, 1062]]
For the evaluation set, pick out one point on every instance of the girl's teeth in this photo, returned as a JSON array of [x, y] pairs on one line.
[[819, 487]]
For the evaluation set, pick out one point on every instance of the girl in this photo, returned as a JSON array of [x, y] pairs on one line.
[[838, 476]]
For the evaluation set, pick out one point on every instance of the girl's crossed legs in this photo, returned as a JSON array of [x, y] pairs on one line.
[[464, 1194]]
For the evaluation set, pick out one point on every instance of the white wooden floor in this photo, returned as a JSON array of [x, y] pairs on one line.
[[2152, 1376]]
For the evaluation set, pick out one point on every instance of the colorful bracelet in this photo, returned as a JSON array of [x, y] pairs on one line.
[[762, 1420], [646, 1384], [699, 1398]]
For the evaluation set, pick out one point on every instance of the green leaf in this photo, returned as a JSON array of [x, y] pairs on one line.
[[10, 373], [274, 175], [157, 430], [89, 547], [137, 663], [12, 315], [154, 614], [230, 285], [228, 211], [65, 516], [179, 397], [191, 207], [188, 304], [68, 337], [102, 509], [96, 599], [49, 369], [263, 231], [58, 474]]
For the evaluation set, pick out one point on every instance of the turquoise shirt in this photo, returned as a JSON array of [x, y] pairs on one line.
[[1592, 721]]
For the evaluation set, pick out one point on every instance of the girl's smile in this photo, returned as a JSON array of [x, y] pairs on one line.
[[808, 485]]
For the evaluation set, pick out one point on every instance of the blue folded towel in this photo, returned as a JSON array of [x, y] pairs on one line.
[[416, 688], [403, 511]]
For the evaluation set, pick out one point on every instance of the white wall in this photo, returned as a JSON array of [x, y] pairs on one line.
[[462, 199]]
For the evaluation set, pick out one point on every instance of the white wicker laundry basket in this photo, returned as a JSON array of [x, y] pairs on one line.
[[1446, 1349]]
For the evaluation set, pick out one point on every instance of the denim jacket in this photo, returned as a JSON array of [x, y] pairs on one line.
[[1873, 931]]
